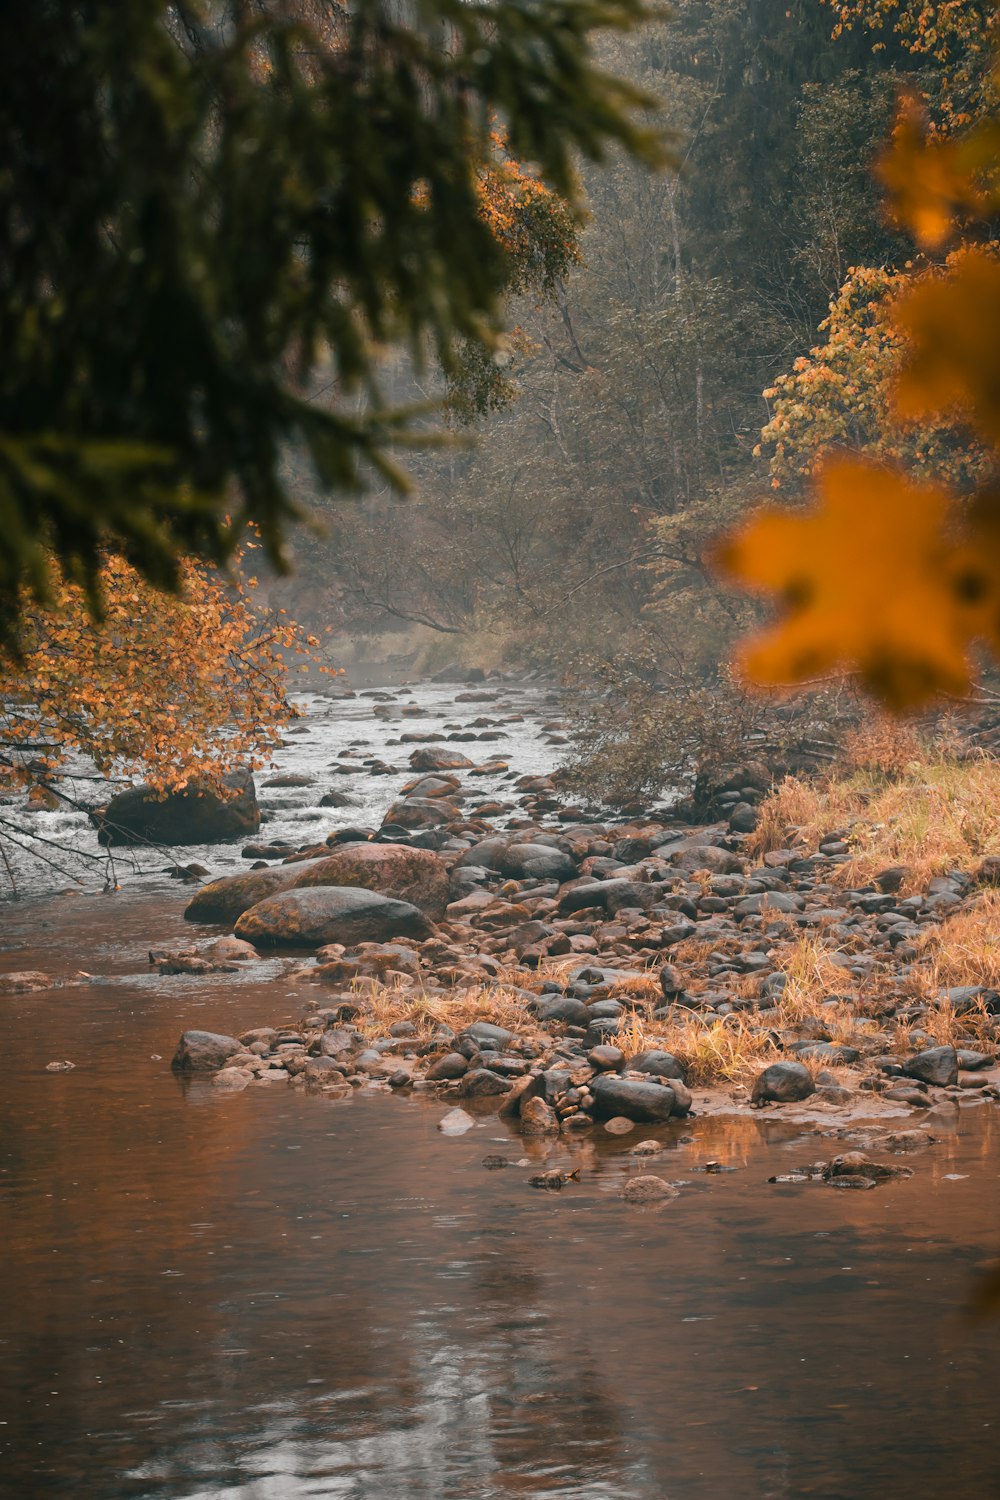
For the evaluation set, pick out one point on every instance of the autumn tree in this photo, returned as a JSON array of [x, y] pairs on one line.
[[892, 578], [207, 214], [172, 688]]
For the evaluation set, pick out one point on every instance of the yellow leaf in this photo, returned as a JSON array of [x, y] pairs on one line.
[[866, 580], [927, 178], [952, 321]]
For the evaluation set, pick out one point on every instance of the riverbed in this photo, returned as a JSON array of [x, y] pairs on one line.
[[278, 1294]]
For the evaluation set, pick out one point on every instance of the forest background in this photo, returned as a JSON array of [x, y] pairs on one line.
[[722, 328], [707, 335]]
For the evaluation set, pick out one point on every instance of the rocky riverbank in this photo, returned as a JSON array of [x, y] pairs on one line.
[[573, 972]]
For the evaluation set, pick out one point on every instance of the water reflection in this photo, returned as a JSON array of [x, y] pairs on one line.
[[274, 1296]]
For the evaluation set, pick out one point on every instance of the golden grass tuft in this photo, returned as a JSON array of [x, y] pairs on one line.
[[965, 948], [383, 1005], [720, 1049], [935, 815]]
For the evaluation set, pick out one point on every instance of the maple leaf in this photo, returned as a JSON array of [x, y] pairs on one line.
[[952, 322], [934, 180], [869, 579]]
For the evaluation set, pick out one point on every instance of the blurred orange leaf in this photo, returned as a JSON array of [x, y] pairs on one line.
[[868, 579], [952, 321]]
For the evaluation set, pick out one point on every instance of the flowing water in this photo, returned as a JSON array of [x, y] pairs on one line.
[[273, 1295]]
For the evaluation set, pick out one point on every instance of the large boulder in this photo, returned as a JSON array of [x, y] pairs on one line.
[[938, 1065], [421, 812], [196, 815], [534, 862], [431, 759], [226, 899], [633, 1098], [312, 916], [415, 875], [204, 1052]]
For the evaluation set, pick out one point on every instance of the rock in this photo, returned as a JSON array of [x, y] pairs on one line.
[[195, 815], [836, 1054], [969, 1061], [336, 799], [570, 1012], [783, 1083], [648, 1190], [937, 1065], [320, 1070], [289, 779], [316, 915], [485, 1034], [232, 1080], [904, 1094], [415, 875], [429, 759], [481, 1083], [690, 857], [538, 1118], [421, 812], [450, 1065], [24, 982], [857, 1164], [530, 1086], [554, 1180], [619, 1125], [227, 899], [204, 1051], [605, 1058], [65, 1066], [634, 1098], [535, 862], [612, 895], [647, 1148], [455, 1122], [743, 818], [231, 950], [671, 982], [767, 901], [657, 1064]]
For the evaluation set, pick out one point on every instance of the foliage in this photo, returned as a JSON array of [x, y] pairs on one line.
[[171, 687], [956, 37], [909, 634], [844, 393], [205, 221]]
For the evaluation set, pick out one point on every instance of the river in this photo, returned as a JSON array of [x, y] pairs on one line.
[[275, 1295]]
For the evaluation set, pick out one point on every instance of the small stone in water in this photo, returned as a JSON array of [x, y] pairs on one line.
[[619, 1125], [60, 1067], [648, 1190], [455, 1122]]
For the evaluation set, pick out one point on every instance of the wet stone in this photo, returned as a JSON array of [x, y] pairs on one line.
[[936, 1065], [648, 1190], [783, 1083]]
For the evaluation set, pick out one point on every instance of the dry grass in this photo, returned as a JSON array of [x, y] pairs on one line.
[[723, 1049], [965, 949], [639, 987], [946, 1029], [935, 815], [383, 1005]]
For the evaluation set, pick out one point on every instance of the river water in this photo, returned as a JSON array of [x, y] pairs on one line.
[[273, 1295]]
